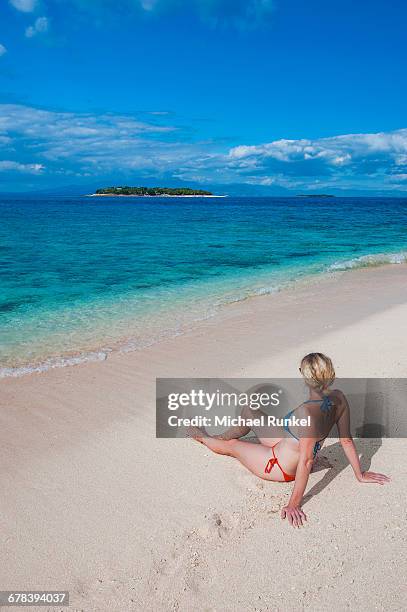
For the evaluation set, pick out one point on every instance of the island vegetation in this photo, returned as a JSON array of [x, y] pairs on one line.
[[315, 195], [151, 191]]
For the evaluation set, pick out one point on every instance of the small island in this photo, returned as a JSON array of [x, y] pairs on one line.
[[183, 192], [315, 195]]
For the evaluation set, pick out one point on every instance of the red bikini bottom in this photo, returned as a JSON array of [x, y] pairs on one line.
[[274, 461]]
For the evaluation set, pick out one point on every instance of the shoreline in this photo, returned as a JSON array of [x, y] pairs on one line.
[[102, 506], [103, 351]]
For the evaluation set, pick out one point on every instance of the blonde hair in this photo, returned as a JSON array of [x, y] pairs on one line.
[[318, 371]]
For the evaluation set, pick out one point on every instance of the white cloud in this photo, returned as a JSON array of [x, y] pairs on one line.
[[88, 142], [96, 144], [25, 6], [40, 26], [5, 140], [3, 50], [7, 166], [359, 161], [53, 126], [337, 150], [399, 177]]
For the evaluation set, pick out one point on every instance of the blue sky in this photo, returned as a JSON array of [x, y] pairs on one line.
[[282, 95]]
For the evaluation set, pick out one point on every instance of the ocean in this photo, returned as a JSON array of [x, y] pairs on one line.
[[81, 277]]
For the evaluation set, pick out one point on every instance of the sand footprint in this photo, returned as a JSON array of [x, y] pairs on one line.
[[183, 571], [215, 528], [181, 574]]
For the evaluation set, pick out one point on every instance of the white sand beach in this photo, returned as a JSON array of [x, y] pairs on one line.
[[93, 503]]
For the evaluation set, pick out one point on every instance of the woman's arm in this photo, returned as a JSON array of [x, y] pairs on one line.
[[293, 510], [349, 449]]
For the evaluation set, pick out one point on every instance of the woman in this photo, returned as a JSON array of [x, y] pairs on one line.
[[284, 459]]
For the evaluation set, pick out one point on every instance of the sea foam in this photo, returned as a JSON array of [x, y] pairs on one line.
[[369, 261], [50, 364]]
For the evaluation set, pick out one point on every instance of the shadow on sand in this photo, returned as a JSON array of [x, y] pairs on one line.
[[368, 441]]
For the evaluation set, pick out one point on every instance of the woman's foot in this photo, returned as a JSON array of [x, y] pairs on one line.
[[196, 433], [221, 447]]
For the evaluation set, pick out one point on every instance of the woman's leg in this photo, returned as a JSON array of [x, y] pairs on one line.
[[238, 431], [261, 433], [253, 456]]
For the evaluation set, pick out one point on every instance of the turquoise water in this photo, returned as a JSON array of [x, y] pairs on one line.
[[80, 277]]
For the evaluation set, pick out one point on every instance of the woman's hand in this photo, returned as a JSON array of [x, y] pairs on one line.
[[374, 477], [294, 514]]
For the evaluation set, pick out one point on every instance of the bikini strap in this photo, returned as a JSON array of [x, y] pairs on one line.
[[326, 403]]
